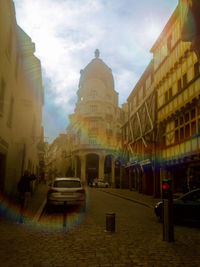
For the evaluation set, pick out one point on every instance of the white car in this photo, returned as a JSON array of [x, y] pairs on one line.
[[100, 183], [66, 191]]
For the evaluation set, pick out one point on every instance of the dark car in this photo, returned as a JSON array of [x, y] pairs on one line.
[[186, 207]]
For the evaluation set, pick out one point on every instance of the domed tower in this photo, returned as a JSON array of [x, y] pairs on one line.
[[96, 123]]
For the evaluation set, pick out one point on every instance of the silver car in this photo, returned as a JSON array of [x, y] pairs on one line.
[[67, 190], [100, 183]]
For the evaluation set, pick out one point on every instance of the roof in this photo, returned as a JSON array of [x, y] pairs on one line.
[[97, 69]]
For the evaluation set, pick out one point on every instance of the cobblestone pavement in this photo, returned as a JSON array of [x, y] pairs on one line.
[[136, 242], [133, 195]]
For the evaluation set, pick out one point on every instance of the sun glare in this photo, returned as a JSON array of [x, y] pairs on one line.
[[153, 32]]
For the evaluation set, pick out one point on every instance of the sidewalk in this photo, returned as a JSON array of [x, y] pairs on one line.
[[38, 200], [146, 200]]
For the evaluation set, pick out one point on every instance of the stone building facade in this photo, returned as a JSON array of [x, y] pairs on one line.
[[56, 163], [21, 101], [95, 126]]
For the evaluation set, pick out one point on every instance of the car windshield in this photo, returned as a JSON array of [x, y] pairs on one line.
[[67, 184]]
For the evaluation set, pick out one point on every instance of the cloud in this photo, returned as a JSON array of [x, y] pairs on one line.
[[66, 33]]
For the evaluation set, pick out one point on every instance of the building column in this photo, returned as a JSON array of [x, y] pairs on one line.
[[113, 172], [83, 169], [101, 167]]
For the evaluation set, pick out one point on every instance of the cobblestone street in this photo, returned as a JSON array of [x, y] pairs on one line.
[[136, 242]]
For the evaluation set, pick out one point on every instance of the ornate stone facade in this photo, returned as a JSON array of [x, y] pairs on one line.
[[94, 128]]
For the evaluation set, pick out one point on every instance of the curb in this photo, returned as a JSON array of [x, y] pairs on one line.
[[39, 211], [130, 199]]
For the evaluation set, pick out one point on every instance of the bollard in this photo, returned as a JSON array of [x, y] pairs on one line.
[[110, 222]]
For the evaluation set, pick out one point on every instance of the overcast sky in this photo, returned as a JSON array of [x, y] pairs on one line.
[[66, 34]]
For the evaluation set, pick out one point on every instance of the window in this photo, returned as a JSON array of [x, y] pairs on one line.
[[2, 94], [181, 133], [185, 125], [176, 123], [108, 125], [10, 115], [170, 93], [93, 108], [187, 130], [152, 78], [176, 136], [193, 113], [187, 117], [93, 93], [181, 120], [169, 43], [166, 96], [185, 80], [179, 84], [79, 137], [193, 128], [196, 69], [93, 124], [163, 140], [92, 140]]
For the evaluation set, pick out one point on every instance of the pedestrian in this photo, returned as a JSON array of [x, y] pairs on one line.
[[24, 190]]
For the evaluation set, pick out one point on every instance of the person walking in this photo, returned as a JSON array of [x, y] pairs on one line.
[[24, 189]]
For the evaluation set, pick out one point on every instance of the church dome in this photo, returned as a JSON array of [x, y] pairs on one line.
[[97, 69]]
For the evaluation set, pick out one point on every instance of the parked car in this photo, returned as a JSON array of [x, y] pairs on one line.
[[100, 183], [186, 207], [67, 190]]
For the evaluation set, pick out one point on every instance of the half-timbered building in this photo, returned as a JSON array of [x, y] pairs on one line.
[[139, 134], [177, 82]]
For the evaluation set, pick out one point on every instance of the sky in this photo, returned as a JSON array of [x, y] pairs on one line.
[[66, 34]]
